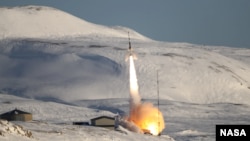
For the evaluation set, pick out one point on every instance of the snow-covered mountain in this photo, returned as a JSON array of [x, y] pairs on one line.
[[49, 55], [47, 22]]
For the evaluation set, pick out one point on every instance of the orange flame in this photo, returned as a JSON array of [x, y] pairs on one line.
[[147, 117]]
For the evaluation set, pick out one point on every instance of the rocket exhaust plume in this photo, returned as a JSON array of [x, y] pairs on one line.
[[144, 115], [135, 98]]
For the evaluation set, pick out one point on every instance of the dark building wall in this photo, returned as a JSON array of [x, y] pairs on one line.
[[19, 117]]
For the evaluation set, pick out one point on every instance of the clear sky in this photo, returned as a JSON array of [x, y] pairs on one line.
[[207, 22]]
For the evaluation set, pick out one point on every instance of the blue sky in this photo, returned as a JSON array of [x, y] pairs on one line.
[[207, 22]]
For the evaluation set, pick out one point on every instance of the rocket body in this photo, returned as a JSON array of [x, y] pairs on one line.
[[130, 53]]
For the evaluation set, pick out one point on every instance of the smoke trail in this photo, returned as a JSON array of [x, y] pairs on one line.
[[135, 98]]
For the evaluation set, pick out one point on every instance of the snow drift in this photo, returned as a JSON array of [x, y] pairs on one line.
[[9, 128]]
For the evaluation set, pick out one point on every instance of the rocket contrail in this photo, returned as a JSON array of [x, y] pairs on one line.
[[135, 98]]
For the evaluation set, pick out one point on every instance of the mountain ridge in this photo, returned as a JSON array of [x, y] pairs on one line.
[[43, 22]]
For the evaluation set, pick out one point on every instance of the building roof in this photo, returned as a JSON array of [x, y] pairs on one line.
[[14, 112], [112, 118]]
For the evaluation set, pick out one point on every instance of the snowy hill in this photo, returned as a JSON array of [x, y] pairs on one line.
[[89, 68], [44, 22], [79, 68]]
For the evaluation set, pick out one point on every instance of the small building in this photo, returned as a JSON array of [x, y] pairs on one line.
[[104, 121], [16, 115]]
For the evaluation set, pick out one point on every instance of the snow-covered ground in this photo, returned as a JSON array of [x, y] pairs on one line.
[[184, 121], [64, 69]]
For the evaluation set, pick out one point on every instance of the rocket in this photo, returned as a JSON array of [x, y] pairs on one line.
[[130, 51], [129, 48]]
